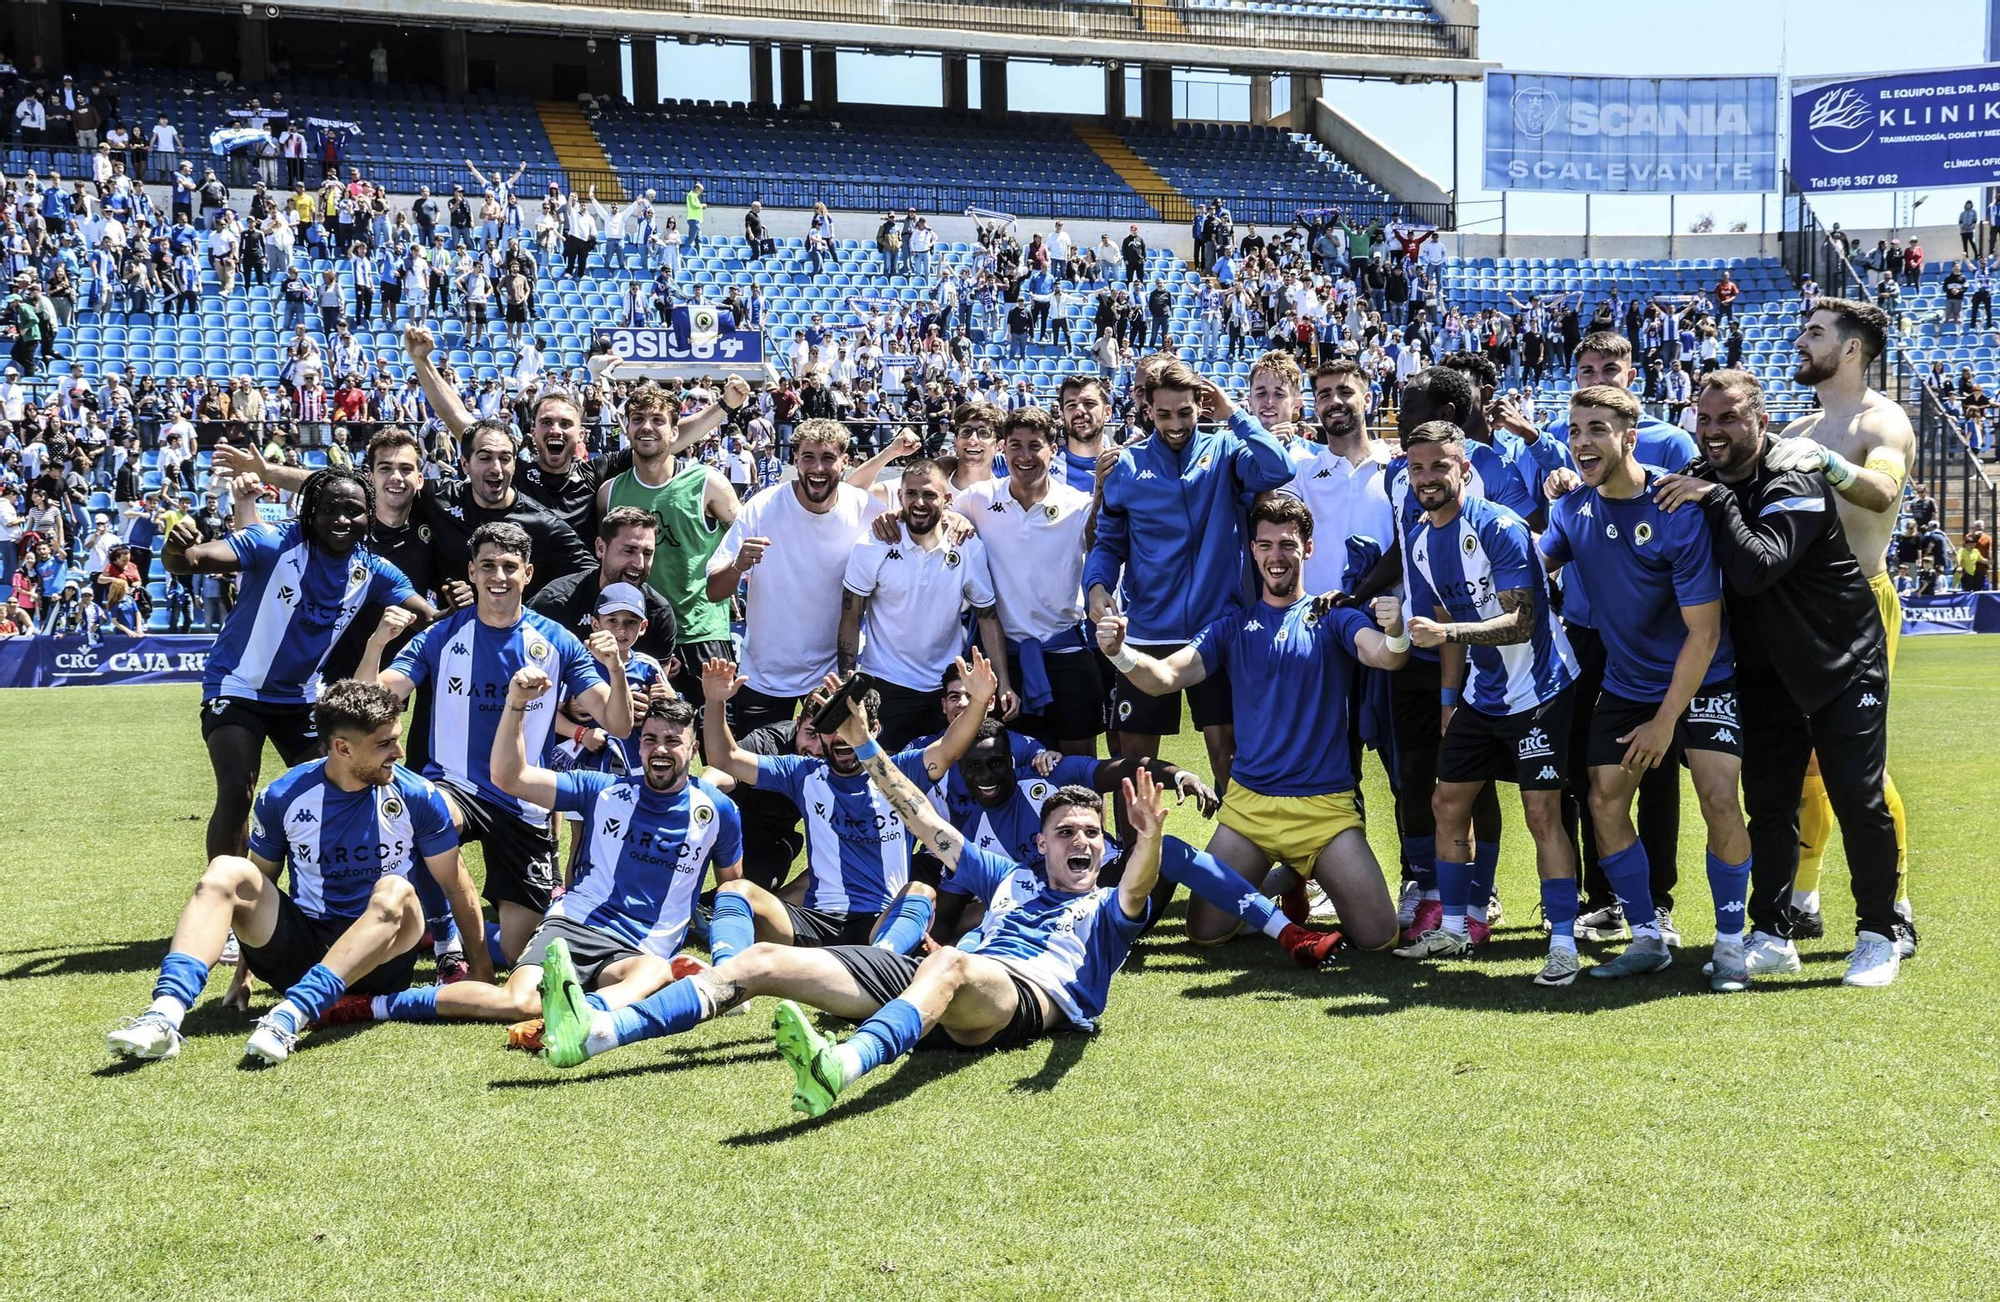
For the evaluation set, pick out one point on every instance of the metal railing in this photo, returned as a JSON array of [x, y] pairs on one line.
[[1806, 249], [403, 176], [1152, 23]]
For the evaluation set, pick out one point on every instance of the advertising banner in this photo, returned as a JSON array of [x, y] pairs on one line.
[[651, 344], [1903, 131], [79, 662], [1631, 135], [1956, 612]]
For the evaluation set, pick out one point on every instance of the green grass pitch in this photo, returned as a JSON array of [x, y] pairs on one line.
[[1239, 1130]]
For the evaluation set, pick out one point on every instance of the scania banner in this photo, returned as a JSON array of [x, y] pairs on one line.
[[1631, 135]]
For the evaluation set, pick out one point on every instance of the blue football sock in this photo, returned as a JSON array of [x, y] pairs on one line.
[[1729, 884], [417, 1004], [1485, 867], [1631, 878], [437, 910], [596, 1001], [181, 977], [1559, 907], [732, 928], [1421, 854], [315, 992], [892, 1032], [1454, 892], [1215, 882], [667, 1011], [907, 920], [493, 945]]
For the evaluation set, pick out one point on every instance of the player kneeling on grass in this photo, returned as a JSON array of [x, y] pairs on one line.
[[1040, 962], [352, 828], [1293, 794], [646, 844]]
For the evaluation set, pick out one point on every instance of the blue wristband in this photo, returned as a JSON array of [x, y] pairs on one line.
[[1447, 696], [868, 750]]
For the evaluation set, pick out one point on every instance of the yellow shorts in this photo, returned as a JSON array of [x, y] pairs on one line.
[[1291, 829], [1891, 608]]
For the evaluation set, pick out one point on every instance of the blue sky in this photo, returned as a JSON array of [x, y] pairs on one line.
[[1798, 38]]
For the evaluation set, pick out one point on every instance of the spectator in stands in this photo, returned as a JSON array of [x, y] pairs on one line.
[[1973, 566], [1133, 253], [1982, 293], [15, 621], [1913, 263], [165, 153], [1968, 230], [695, 211], [326, 297]]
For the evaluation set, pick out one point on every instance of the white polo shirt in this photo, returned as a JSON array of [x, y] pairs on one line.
[[1035, 555], [915, 597], [792, 624], [1345, 499]]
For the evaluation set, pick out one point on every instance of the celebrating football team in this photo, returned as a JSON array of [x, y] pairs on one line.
[[960, 681]]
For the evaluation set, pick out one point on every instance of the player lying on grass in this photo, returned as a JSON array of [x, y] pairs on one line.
[[1040, 962], [646, 844], [352, 827]]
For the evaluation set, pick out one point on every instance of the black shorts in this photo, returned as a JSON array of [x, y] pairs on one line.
[[1529, 748], [290, 728], [299, 941], [884, 975], [1160, 716], [1709, 723], [1077, 710], [520, 858], [907, 713], [517, 313], [590, 950], [693, 655], [820, 929]]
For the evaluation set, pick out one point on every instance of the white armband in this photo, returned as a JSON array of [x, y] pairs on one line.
[[1124, 662], [1399, 643]]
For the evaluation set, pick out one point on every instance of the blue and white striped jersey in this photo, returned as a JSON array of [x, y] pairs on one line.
[[643, 855], [1011, 829], [1464, 567], [338, 844], [1486, 465], [466, 666], [857, 849], [294, 601], [1066, 946]]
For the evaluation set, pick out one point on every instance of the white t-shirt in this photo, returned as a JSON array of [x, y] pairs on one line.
[[1345, 499], [1034, 553], [166, 140], [792, 623], [915, 595]]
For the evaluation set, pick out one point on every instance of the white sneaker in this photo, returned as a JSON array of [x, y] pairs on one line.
[[1663, 917], [272, 1041], [1435, 943], [1763, 955], [232, 951], [1874, 961], [147, 1036], [1406, 905]]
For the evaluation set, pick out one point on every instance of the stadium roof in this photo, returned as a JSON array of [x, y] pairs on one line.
[[1241, 35]]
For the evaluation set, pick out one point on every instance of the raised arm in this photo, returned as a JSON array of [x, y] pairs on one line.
[[183, 553], [1514, 624], [451, 409], [511, 771], [1389, 648], [608, 702], [719, 682], [394, 621], [690, 430], [906, 443], [981, 685], [911, 806], [1146, 817], [1874, 485]]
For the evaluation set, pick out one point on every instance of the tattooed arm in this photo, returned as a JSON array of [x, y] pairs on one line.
[[848, 643], [910, 804], [1514, 624]]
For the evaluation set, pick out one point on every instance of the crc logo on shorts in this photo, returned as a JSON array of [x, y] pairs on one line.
[[1535, 745], [1715, 708], [1642, 533], [393, 807], [1471, 544], [538, 650]]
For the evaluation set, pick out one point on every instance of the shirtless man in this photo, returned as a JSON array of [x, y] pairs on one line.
[[1862, 442]]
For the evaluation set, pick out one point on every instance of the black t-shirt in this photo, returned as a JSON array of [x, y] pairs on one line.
[[452, 515], [570, 600], [769, 817], [1954, 285]]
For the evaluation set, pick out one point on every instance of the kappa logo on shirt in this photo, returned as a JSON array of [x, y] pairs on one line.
[[1324, 474], [1253, 626], [1146, 474], [998, 508], [1536, 743], [1586, 513], [895, 554], [305, 816]]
